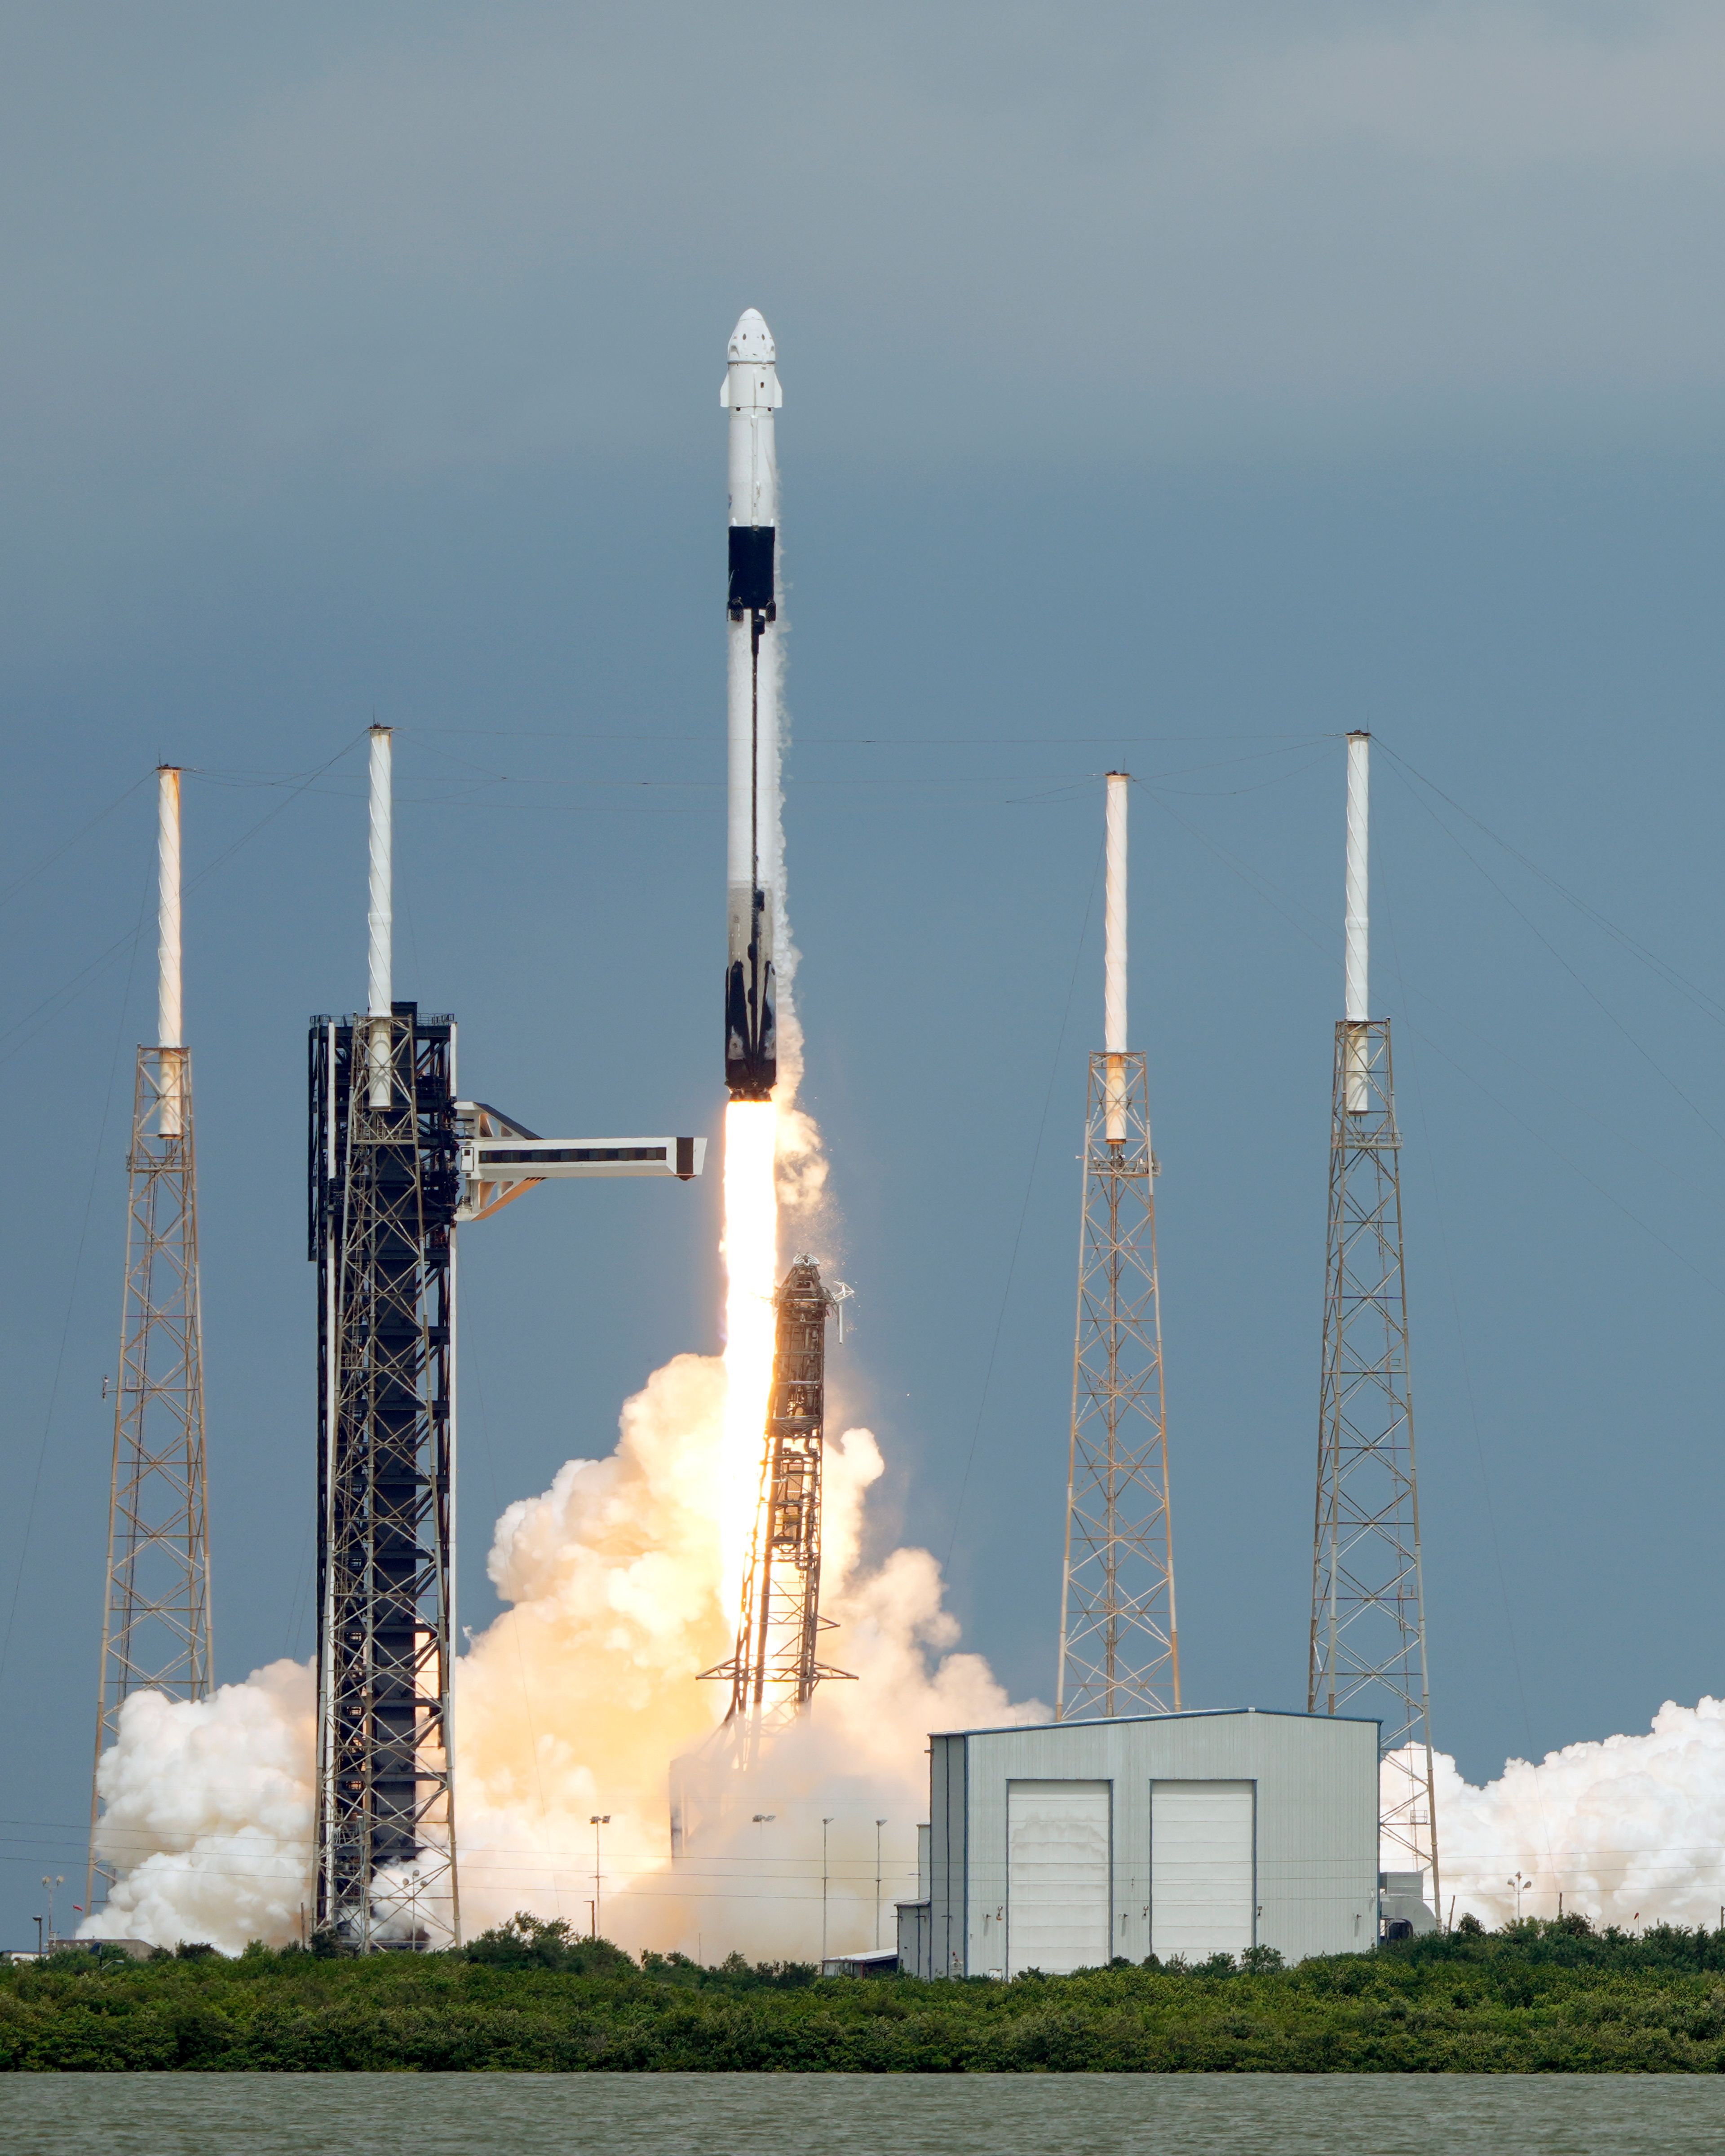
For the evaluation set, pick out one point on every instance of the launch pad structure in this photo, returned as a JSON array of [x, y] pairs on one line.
[[1367, 1638], [384, 1192], [156, 1611], [1120, 1649], [397, 1162], [775, 1666]]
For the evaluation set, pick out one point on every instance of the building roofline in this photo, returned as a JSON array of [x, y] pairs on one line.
[[1185, 1714]]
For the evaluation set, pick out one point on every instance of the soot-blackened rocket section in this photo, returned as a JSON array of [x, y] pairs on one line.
[[751, 395]]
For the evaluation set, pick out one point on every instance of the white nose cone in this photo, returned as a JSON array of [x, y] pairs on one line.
[[751, 340], [751, 379]]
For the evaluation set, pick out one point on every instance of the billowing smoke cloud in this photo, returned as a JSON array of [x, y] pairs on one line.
[[208, 1813], [1625, 1828], [574, 1702]]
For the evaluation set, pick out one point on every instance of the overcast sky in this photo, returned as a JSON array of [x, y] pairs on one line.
[[1174, 386]]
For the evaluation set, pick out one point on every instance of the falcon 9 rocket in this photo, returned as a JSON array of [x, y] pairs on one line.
[[752, 395]]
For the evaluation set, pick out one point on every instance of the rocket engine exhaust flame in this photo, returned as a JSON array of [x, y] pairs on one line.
[[750, 1253]]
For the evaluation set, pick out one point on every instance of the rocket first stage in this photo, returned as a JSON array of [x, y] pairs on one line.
[[752, 395]]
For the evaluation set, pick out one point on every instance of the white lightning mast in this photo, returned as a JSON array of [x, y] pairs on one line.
[[1368, 1640], [1119, 1643], [156, 1620]]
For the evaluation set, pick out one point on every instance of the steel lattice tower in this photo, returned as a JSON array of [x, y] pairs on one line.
[[1119, 1643], [397, 1163], [155, 1625], [384, 1196], [1368, 1641], [385, 1184], [775, 1666]]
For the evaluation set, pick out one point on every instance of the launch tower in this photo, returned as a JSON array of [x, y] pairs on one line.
[[384, 1188], [1368, 1641], [1119, 1646], [155, 1622], [384, 1196], [397, 1162]]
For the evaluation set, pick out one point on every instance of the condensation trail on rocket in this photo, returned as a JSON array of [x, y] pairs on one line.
[[751, 395]]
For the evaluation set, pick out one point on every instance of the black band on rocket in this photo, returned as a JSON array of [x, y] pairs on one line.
[[752, 546]]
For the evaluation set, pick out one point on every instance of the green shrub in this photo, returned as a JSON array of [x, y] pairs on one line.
[[530, 1996]]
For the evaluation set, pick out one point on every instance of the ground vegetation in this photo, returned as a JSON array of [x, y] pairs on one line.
[[1537, 1997]]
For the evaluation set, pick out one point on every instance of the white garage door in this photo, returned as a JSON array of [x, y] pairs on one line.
[[1201, 1873], [1057, 1840]]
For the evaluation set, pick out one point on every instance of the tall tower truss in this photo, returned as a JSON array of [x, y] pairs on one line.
[[384, 1190], [1119, 1642], [1368, 1638], [397, 1163], [776, 1665], [155, 1624]]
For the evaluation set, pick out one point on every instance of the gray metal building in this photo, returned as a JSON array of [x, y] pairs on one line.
[[1063, 1846]]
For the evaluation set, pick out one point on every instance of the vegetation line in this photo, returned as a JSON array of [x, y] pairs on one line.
[[1537, 1997]]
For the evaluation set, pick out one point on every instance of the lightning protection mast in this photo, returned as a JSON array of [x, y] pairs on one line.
[[1368, 1646], [1119, 1643], [397, 1163], [155, 1622]]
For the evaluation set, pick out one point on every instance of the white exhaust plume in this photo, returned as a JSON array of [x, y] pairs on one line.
[[1625, 1828], [208, 1815], [574, 1701]]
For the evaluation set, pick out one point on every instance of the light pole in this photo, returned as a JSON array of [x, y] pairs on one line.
[[1518, 1883], [879, 1823], [824, 1824], [761, 1820], [596, 1820], [59, 1879]]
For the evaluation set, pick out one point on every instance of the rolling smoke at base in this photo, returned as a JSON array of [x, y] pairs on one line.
[[572, 1702], [209, 1803], [1626, 1828]]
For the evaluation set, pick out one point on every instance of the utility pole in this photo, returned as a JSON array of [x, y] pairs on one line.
[[596, 1820], [1119, 1643], [1367, 1638], [879, 1823], [156, 1615], [824, 1824], [762, 1821]]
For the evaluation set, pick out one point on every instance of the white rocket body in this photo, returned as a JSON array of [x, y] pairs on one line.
[[751, 395]]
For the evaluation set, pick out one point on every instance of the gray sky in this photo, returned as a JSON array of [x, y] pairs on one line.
[[1175, 386]]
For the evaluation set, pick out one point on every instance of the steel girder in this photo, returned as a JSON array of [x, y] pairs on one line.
[[384, 1189], [776, 1666], [1119, 1641], [1368, 1638], [155, 1624]]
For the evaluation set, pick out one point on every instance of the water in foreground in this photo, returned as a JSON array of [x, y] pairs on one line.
[[863, 2115]]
